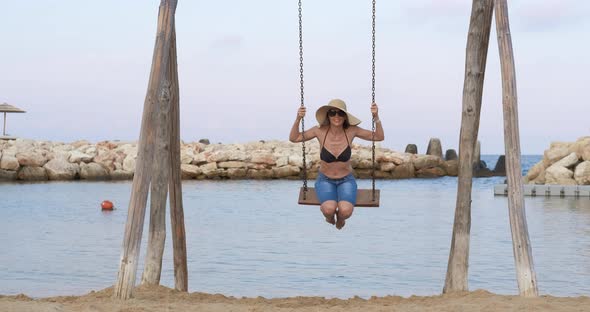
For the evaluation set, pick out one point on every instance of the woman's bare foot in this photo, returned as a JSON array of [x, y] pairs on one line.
[[331, 220], [340, 222]]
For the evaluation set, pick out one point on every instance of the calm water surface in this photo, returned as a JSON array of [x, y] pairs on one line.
[[250, 238]]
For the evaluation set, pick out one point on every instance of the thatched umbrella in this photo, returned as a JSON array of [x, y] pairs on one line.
[[7, 108]]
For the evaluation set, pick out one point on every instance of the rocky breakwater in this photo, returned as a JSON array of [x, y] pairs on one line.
[[28, 160], [564, 163]]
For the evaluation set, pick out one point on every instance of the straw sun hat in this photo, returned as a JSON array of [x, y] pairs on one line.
[[322, 112]]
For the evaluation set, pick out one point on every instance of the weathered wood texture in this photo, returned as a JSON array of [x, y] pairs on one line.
[[523, 257], [159, 186], [176, 208], [475, 64], [141, 181]]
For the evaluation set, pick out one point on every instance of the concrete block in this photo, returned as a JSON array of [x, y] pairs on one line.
[[500, 189], [528, 189], [584, 190], [556, 190], [542, 190], [570, 190]]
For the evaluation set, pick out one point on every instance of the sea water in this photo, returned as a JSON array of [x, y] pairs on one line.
[[251, 238]]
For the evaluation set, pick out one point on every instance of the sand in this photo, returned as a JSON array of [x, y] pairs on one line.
[[158, 298]]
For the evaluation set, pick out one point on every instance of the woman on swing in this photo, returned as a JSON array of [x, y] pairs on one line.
[[335, 185]]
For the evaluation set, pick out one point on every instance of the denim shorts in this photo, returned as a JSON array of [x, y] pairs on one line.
[[336, 189]]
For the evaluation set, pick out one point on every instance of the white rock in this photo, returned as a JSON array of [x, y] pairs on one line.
[[60, 154], [199, 159], [387, 166], [31, 158], [282, 161], [535, 170], [8, 162], [93, 171], [582, 173], [128, 149], [427, 161], [190, 171], [213, 147], [285, 171], [77, 157], [365, 154], [129, 163], [580, 145], [558, 174], [364, 164], [296, 160], [186, 155], [91, 151], [540, 179], [263, 157], [107, 159], [61, 169], [10, 151], [568, 161], [208, 168], [32, 174], [121, 175], [559, 144], [238, 155], [218, 156], [585, 153], [252, 146], [23, 145], [237, 173], [80, 143], [554, 154], [231, 164], [389, 157], [65, 148]]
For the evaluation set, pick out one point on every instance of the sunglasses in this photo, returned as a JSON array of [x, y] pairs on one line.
[[332, 113]]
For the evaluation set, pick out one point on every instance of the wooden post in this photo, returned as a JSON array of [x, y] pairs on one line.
[[159, 190], [176, 209], [475, 64], [523, 257], [141, 180]]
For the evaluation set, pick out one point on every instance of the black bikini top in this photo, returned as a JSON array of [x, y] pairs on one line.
[[328, 157]]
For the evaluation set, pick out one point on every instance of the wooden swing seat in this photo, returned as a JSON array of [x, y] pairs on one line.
[[364, 197]]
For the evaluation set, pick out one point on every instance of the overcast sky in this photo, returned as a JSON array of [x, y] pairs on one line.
[[80, 68]]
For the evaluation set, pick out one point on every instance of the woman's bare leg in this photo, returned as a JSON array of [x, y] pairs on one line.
[[344, 212], [328, 208]]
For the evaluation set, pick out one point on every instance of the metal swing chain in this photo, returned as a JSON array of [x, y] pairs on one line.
[[304, 172], [373, 101]]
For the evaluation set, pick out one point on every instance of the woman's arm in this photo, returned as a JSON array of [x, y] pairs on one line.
[[296, 135], [368, 135]]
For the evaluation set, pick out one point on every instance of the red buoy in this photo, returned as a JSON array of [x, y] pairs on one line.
[[107, 205]]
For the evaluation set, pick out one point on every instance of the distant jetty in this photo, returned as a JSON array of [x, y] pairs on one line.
[[30, 160]]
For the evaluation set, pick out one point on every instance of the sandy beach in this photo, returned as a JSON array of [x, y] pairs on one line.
[[158, 298]]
